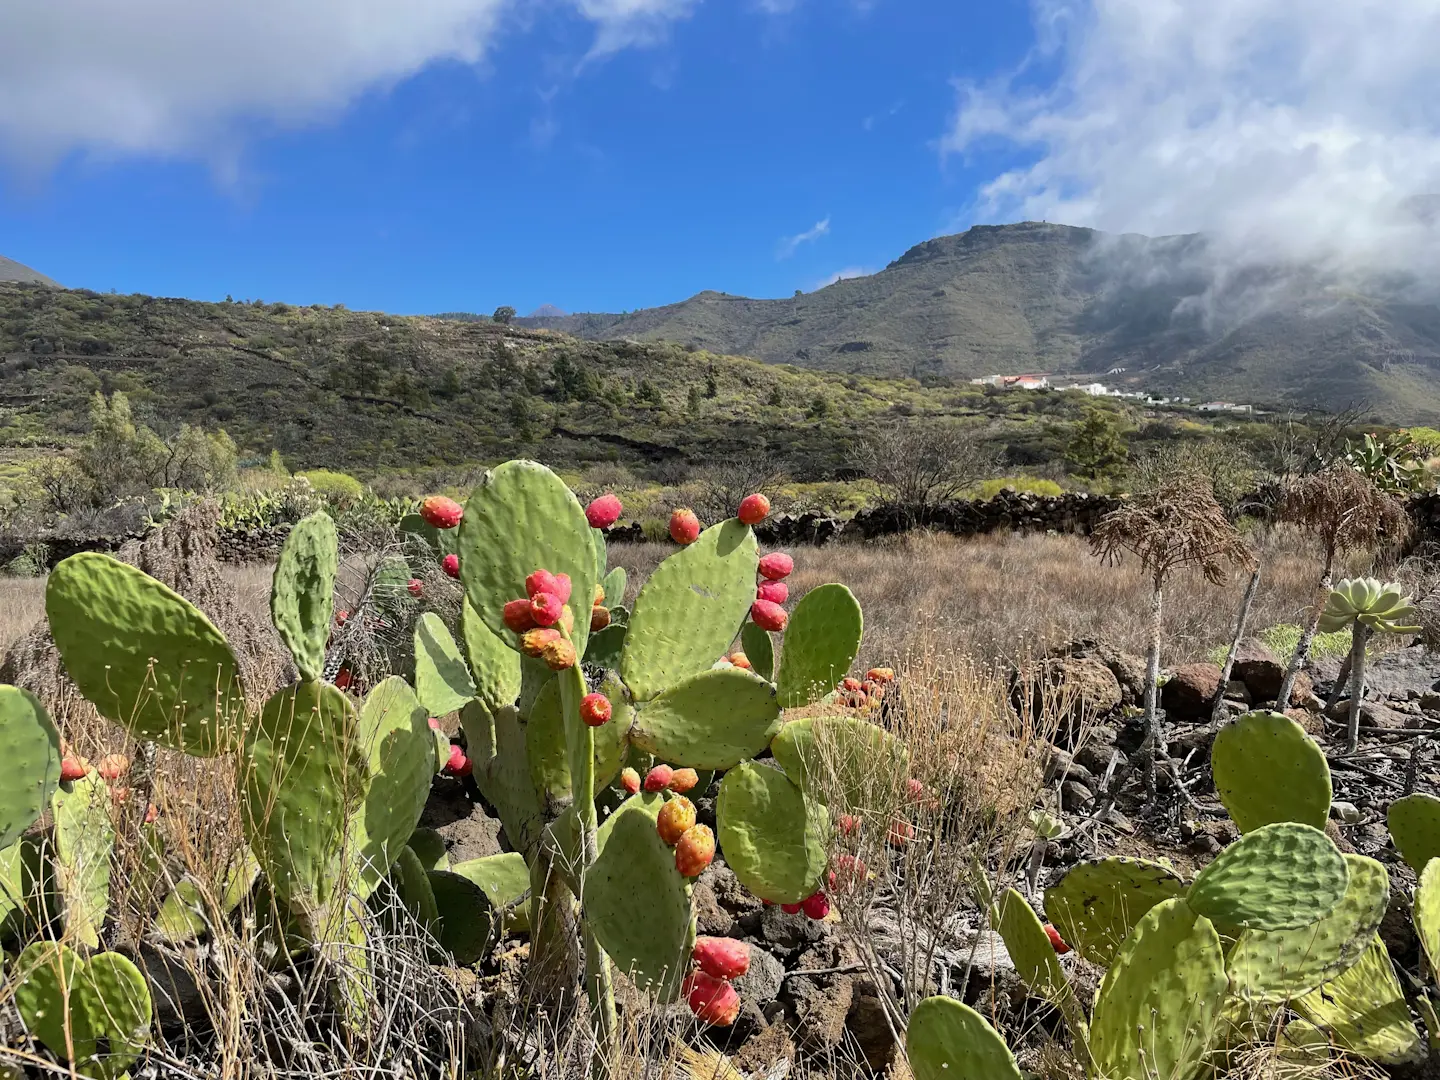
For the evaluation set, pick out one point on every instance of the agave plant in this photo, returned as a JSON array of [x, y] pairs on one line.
[[1365, 606]]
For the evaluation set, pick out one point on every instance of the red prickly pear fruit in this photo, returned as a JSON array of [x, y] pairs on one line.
[[599, 619], [343, 679], [604, 511], [684, 526], [901, 833], [559, 655], [630, 780], [451, 565], [790, 909], [151, 813], [1056, 940], [595, 710], [73, 768], [457, 764], [740, 660], [341, 617], [434, 723], [816, 907], [754, 509], [849, 872], [849, 825], [563, 587], [850, 684], [712, 1000], [682, 780], [441, 512], [768, 616], [518, 616], [695, 850], [721, 957], [658, 778], [881, 675], [776, 566], [113, 766], [533, 642], [915, 790], [676, 818], [871, 688], [541, 581], [415, 586], [546, 608], [777, 592]]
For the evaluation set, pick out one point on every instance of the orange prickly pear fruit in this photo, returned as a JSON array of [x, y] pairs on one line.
[[682, 780], [676, 817], [630, 780], [599, 619], [74, 768], [695, 850], [559, 655], [113, 766], [740, 660], [533, 642]]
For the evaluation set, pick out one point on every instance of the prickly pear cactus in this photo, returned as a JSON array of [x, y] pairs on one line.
[[839, 758], [1097, 903], [395, 736], [759, 649], [1426, 915], [496, 743], [144, 656], [948, 1040], [303, 589], [1364, 1010], [505, 880], [1269, 967], [429, 847], [1279, 877], [689, 611], [774, 839], [494, 666], [1415, 829], [29, 762], [442, 681], [1159, 1004], [465, 919], [94, 1013], [1267, 769], [821, 642], [1036, 963], [411, 883], [84, 839], [712, 720], [190, 909]]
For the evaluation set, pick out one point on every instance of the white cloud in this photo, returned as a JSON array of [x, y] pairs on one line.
[[843, 275], [1292, 127], [179, 77], [790, 244]]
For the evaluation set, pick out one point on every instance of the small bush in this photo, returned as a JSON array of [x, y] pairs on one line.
[[1026, 484], [337, 488]]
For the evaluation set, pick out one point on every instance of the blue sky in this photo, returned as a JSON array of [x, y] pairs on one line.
[[680, 159]]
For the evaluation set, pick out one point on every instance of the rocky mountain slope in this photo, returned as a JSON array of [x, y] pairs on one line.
[[10, 270]]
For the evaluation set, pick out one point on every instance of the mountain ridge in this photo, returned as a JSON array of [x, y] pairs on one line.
[[10, 270]]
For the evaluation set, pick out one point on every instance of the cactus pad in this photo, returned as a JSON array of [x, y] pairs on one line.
[[496, 745], [84, 841], [442, 681], [771, 835], [465, 916], [306, 775], [1426, 915], [494, 666], [1267, 769], [523, 518], [1159, 1004], [1267, 968], [713, 720], [1363, 1009], [841, 758], [400, 746], [143, 655], [1035, 960], [636, 903], [505, 879], [614, 586], [429, 845], [185, 912], [606, 647], [759, 650], [303, 591], [948, 1040], [1415, 829], [1096, 904], [411, 883], [690, 609], [29, 762], [820, 644], [547, 750], [104, 1001], [1279, 877]]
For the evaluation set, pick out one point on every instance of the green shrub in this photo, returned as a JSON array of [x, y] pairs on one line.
[[1282, 638], [337, 488], [1027, 484]]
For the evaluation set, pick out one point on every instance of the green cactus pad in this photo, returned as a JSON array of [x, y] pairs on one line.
[[496, 746], [1364, 1010], [840, 758], [303, 591], [442, 681], [606, 647], [411, 882], [1279, 877], [1159, 1004], [759, 649], [18, 900], [1415, 829], [948, 1040], [465, 916], [144, 656], [636, 903], [396, 738], [614, 586], [1096, 904], [546, 747], [185, 912], [820, 644], [523, 518], [429, 845], [440, 542], [772, 836], [29, 762], [1426, 915], [104, 1001], [1034, 956], [690, 609], [713, 720], [1267, 769], [505, 879], [494, 666], [84, 839], [1267, 968], [307, 774]]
